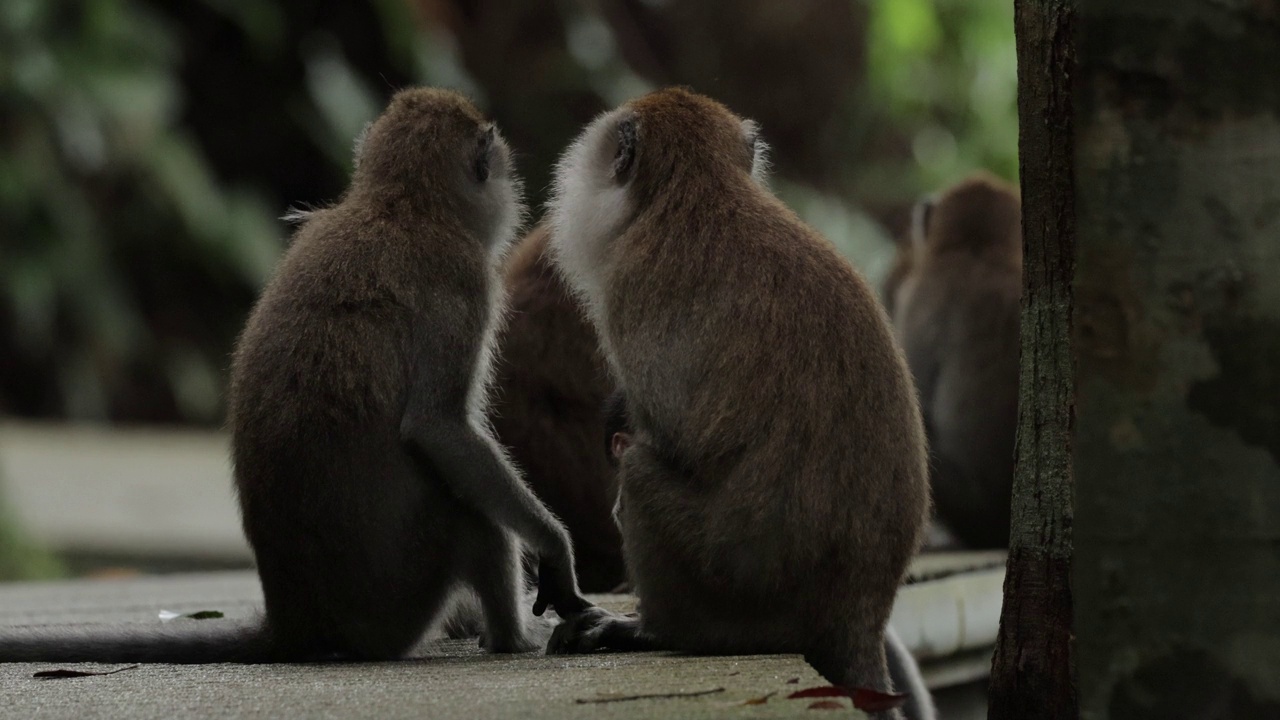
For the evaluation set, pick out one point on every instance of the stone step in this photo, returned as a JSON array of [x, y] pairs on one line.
[[159, 493], [446, 679]]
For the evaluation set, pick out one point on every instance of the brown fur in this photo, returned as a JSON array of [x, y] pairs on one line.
[[956, 298], [776, 486], [369, 489], [550, 385]]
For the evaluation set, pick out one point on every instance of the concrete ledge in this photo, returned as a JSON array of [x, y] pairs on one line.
[[145, 492], [165, 495], [447, 679]]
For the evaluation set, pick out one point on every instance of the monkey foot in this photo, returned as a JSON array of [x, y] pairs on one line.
[[596, 628]]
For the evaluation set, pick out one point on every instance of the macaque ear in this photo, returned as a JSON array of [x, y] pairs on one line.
[[624, 160], [921, 216], [757, 150], [483, 159], [357, 149]]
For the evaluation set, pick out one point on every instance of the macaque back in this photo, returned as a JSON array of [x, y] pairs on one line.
[[775, 487], [955, 295], [550, 383]]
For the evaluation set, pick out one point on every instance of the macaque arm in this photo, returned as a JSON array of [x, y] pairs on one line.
[[478, 473]]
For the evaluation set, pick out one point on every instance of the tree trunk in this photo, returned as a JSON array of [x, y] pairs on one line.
[[1177, 343], [1032, 676]]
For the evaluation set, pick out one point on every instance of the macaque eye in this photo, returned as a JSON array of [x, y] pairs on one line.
[[625, 158], [484, 153]]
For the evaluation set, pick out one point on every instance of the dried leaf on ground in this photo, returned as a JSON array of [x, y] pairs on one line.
[[167, 615], [863, 699], [759, 700], [65, 673], [615, 697]]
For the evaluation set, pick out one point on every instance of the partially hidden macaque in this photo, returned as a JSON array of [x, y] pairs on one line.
[[955, 299], [370, 489], [774, 486], [549, 386]]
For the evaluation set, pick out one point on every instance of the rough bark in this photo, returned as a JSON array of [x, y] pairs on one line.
[[1177, 321], [1032, 675]]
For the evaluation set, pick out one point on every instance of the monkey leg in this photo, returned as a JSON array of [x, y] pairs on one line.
[[324, 599], [596, 629], [861, 662], [383, 627], [493, 570], [477, 471]]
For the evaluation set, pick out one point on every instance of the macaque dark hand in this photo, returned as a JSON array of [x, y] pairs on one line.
[[557, 586]]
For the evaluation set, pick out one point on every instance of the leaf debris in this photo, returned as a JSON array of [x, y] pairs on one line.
[[66, 673], [863, 699], [647, 696]]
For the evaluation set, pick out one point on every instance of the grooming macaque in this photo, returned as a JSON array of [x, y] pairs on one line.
[[549, 386], [370, 489], [774, 485], [955, 294]]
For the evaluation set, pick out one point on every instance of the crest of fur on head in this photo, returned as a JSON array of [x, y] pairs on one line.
[[432, 146], [612, 172]]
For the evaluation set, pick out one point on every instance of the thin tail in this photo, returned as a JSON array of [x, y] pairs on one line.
[[905, 674], [186, 642]]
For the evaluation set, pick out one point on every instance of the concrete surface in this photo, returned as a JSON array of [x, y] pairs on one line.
[[447, 679], [161, 498]]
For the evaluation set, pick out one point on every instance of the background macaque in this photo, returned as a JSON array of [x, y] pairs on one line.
[[550, 383], [954, 295]]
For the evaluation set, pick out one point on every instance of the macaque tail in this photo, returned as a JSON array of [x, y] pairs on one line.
[[181, 642], [905, 674]]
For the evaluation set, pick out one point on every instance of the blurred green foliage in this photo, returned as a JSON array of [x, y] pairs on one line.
[[944, 72], [147, 147], [129, 258], [99, 184]]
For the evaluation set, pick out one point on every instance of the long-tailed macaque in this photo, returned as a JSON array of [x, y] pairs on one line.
[[775, 483], [955, 297], [370, 488]]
